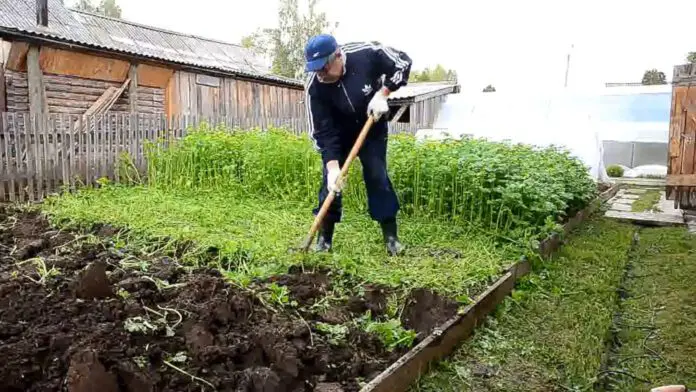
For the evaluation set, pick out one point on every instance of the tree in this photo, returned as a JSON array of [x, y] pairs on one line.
[[691, 57], [489, 89], [109, 8], [284, 45], [653, 76], [438, 74], [106, 7], [85, 5]]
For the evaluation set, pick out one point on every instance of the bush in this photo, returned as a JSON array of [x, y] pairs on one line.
[[499, 186], [615, 171]]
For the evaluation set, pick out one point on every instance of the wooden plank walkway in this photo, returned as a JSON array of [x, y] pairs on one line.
[[664, 215]]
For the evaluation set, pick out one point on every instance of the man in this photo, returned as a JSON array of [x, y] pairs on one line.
[[346, 84]]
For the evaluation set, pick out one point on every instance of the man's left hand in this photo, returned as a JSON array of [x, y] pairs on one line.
[[378, 104]]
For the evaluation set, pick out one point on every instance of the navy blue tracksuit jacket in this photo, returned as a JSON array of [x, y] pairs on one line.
[[337, 112]]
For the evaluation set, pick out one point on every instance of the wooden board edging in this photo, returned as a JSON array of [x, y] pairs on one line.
[[445, 338]]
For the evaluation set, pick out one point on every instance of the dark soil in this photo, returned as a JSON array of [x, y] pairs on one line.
[[94, 324], [602, 187], [426, 310]]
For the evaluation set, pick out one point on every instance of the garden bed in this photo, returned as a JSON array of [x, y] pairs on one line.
[[207, 239], [76, 309]]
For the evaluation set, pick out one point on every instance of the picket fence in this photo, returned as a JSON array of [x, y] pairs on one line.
[[45, 154]]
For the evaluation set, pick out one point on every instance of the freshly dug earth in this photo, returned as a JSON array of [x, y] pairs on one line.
[[78, 314]]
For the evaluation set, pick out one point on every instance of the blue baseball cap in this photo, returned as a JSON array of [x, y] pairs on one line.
[[318, 50]]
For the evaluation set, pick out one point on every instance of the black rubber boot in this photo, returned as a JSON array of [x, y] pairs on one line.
[[325, 237], [391, 239]]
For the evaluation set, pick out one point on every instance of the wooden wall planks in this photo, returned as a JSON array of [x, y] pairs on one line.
[[72, 95], [186, 95]]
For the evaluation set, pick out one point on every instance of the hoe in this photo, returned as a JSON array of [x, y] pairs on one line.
[[344, 171]]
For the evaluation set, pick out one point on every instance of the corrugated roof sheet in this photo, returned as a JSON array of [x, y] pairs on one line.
[[415, 89], [113, 34]]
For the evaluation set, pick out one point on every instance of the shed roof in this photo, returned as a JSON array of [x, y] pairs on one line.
[[96, 31], [419, 91]]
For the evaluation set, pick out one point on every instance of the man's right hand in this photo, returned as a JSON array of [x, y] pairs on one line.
[[333, 170]]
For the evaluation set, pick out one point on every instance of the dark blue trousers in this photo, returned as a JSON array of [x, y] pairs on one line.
[[381, 198]]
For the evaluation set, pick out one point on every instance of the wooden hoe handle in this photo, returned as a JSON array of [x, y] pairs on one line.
[[344, 171]]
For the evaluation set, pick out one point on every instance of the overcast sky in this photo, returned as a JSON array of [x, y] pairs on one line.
[[512, 44]]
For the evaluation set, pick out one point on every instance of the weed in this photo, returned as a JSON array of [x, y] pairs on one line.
[[141, 361], [647, 202], [123, 293], [139, 324], [390, 332], [43, 272], [279, 295], [335, 333], [263, 229]]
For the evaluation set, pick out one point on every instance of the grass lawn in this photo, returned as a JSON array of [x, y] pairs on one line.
[[253, 236], [551, 334], [658, 316]]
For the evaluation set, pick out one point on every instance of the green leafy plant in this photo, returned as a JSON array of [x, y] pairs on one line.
[[615, 171], [390, 332], [44, 273], [508, 188], [335, 333], [279, 295]]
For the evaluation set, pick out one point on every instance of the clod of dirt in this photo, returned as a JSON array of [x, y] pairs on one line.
[[133, 380], [375, 300], [198, 338], [31, 249], [260, 379], [87, 374], [104, 230], [93, 282], [304, 287], [281, 352], [335, 316], [426, 310]]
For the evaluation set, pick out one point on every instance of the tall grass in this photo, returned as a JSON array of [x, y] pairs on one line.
[[513, 189]]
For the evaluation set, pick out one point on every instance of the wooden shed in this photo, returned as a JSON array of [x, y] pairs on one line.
[[681, 170], [58, 60], [417, 105]]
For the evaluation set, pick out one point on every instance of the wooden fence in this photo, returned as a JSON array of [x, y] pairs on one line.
[[40, 155]]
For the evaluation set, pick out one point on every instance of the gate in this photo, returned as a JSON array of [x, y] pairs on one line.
[[681, 176]]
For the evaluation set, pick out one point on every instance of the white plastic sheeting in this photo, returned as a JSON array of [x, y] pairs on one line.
[[576, 120]]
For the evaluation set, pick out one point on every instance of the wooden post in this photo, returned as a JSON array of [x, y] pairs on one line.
[[38, 108], [37, 91], [133, 88]]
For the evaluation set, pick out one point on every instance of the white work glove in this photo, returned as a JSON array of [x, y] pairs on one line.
[[378, 105], [331, 178]]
